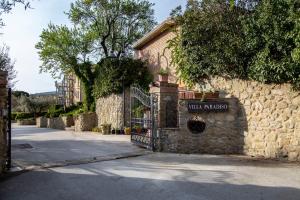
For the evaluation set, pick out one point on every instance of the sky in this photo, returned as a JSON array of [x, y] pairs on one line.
[[23, 28]]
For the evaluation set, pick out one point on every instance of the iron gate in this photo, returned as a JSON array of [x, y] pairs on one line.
[[143, 118]]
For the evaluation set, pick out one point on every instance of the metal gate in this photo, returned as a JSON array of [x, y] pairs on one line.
[[8, 128], [143, 118]]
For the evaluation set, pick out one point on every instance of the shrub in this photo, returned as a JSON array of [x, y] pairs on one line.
[[97, 129], [21, 115], [14, 115], [111, 73], [257, 40]]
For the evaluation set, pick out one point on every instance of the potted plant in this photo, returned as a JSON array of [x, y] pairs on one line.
[[163, 75], [127, 130], [204, 93], [138, 129], [106, 129]]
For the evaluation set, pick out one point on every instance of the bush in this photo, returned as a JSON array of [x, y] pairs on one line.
[[271, 37], [21, 115], [55, 111], [257, 40], [110, 74], [14, 115]]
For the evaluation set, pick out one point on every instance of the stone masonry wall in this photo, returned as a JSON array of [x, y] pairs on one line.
[[110, 110], [221, 134], [85, 122], [272, 117], [3, 103]]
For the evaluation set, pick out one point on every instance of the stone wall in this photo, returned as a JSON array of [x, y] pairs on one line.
[[26, 122], [85, 122], [41, 122], [3, 106], [56, 123], [222, 134], [110, 110], [272, 113], [68, 121]]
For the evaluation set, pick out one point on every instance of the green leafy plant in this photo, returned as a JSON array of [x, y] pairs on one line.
[[21, 116], [163, 72], [97, 130], [99, 28], [113, 73], [250, 39]]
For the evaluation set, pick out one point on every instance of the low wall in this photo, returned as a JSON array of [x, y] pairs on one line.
[[56, 123], [3, 105], [85, 122], [222, 134], [41, 122], [272, 114], [26, 122], [68, 121], [110, 110]]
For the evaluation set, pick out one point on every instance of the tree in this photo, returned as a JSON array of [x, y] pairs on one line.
[[7, 5], [111, 79], [101, 28], [255, 39], [6, 64], [211, 40], [272, 36]]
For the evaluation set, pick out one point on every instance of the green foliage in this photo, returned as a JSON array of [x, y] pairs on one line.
[[163, 72], [272, 33], [73, 110], [210, 42], [254, 39], [7, 5], [55, 111], [14, 115], [138, 111], [7, 64], [22, 115], [99, 28], [112, 72], [97, 130]]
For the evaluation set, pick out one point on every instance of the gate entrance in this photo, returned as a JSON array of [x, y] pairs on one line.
[[143, 118]]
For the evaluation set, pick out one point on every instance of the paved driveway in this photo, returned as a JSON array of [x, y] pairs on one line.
[[34, 147], [160, 176]]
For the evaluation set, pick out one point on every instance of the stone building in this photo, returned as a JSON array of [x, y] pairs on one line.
[[263, 120], [70, 90]]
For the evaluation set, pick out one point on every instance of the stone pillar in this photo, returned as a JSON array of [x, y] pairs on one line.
[[167, 104], [3, 107]]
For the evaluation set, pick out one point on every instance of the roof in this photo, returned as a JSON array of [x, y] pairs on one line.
[[165, 25]]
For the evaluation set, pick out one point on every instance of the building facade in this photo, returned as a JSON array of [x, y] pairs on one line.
[[69, 91]]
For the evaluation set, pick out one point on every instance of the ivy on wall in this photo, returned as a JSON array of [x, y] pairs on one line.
[[254, 39]]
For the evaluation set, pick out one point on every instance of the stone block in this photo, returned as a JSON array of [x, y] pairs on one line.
[[85, 122]]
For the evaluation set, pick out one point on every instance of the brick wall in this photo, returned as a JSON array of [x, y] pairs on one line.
[[3, 104]]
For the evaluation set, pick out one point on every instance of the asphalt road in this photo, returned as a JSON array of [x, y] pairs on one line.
[[146, 177], [33, 147]]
